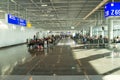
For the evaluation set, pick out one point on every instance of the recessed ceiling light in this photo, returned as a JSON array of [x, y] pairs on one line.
[[12, 0], [44, 5], [72, 27]]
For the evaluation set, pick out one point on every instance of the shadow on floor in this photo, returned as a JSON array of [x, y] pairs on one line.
[[89, 69]]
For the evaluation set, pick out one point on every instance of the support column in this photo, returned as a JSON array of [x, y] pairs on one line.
[[103, 35], [110, 31], [83, 32], [97, 32], [90, 31]]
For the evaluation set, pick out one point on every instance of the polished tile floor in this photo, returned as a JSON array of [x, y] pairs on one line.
[[56, 60], [11, 57], [65, 60], [98, 62]]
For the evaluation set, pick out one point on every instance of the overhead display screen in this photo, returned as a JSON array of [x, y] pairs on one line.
[[13, 19], [22, 22], [112, 9]]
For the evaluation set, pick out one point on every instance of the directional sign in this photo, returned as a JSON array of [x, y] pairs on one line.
[[22, 22], [29, 25], [13, 19], [16, 20], [112, 9]]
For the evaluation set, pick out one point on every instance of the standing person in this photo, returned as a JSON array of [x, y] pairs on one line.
[[37, 35], [101, 41], [84, 40], [34, 37], [117, 40], [45, 44]]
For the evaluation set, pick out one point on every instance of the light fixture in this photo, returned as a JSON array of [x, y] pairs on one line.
[[13, 1], [48, 31], [72, 27], [44, 5]]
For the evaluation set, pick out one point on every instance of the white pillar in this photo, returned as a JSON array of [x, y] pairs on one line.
[[110, 30], [103, 35], [83, 32], [90, 31], [97, 32]]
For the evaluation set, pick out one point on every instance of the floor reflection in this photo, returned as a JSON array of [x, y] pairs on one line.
[[66, 41], [38, 52], [10, 57], [53, 60]]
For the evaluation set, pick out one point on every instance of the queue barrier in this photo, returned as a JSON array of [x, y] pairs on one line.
[[96, 45]]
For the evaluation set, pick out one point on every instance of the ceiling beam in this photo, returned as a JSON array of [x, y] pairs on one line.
[[96, 8], [61, 20], [60, 7], [64, 2]]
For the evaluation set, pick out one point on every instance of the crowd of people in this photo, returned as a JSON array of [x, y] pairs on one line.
[[36, 43], [89, 42], [95, 39]]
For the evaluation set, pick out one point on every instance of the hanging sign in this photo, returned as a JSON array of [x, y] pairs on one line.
[[112, 9], [12, 19], [29, 25], [16, 20], [22, 22]]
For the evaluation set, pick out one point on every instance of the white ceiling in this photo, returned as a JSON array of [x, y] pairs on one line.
[[58, 15]]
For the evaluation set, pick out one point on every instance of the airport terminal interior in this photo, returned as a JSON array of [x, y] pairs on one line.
[[59, 40]]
